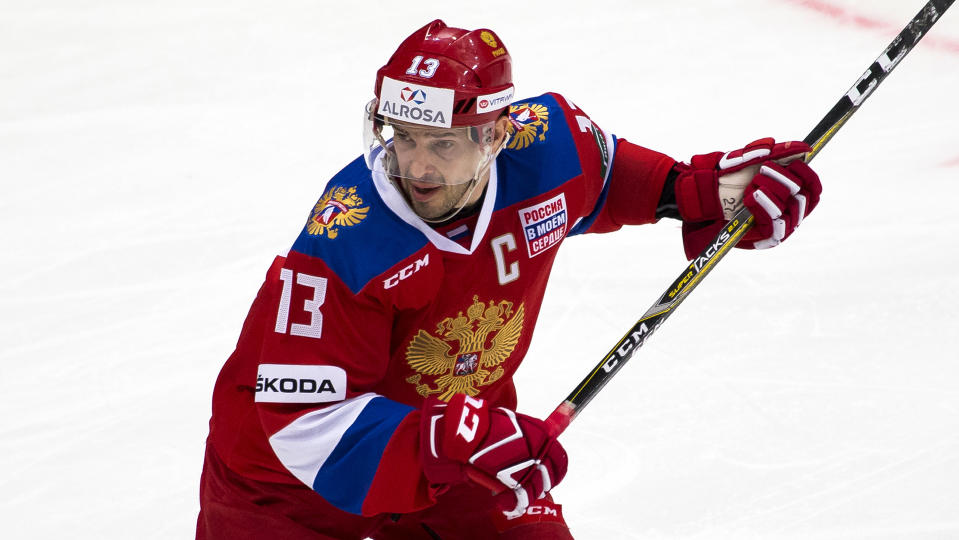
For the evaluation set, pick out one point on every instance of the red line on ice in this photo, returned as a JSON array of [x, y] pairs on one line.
[[954, 162], [849, 17]]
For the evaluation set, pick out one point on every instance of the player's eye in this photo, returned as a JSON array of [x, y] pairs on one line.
[[446, 148]]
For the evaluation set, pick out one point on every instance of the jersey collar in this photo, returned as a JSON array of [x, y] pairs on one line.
[[397, 204]]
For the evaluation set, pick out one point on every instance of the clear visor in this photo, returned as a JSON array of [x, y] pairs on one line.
[[432, 155]]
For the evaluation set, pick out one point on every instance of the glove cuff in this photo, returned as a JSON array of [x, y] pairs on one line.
[[697, 195]]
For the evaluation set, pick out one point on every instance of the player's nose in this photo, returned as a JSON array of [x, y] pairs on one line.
[[420, 165]]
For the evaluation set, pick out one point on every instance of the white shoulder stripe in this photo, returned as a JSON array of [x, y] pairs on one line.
[[318, 432]]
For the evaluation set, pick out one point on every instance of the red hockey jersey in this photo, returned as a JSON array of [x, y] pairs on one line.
[[372, 310]]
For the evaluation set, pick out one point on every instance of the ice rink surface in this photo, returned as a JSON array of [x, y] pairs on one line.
[[155, 156]]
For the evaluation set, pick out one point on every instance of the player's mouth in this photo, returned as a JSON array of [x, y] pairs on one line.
[[423, 192]]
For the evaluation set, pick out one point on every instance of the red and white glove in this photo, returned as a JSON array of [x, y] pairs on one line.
[[467, 436], [770, 178]]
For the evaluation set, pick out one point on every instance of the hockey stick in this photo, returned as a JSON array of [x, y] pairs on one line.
[[740, 223]]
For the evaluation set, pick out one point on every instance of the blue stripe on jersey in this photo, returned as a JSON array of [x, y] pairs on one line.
[[347, 474], [364, 250], [529, 172], [587, 221]]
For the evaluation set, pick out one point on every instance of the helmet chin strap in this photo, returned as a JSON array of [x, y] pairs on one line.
[[460, 205], [464, 200]]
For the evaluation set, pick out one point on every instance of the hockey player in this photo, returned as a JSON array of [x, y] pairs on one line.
[[370, 393]]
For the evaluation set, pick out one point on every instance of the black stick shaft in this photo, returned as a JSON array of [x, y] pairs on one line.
[[701, 265], [875, 74]]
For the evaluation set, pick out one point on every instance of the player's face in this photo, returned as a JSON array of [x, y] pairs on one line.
[[432, 201], [434, 167]]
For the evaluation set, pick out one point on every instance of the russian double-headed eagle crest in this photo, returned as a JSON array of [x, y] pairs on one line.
[[489, 39], [527, 123], [338, 207], [467, 351]]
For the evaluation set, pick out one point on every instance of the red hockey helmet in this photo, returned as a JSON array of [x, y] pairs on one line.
[[448, 85], [442, 76]]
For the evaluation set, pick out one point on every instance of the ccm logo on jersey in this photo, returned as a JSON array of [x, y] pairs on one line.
[[406, 272], [288, 383], [544, 224]]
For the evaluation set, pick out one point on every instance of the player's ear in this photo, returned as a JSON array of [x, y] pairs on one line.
[[499, 130]]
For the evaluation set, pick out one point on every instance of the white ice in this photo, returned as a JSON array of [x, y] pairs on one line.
[[154, 156]]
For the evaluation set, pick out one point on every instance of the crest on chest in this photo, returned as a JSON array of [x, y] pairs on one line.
[[465, 352]]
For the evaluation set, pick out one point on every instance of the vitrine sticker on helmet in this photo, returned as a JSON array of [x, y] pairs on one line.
[[495, 101]]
